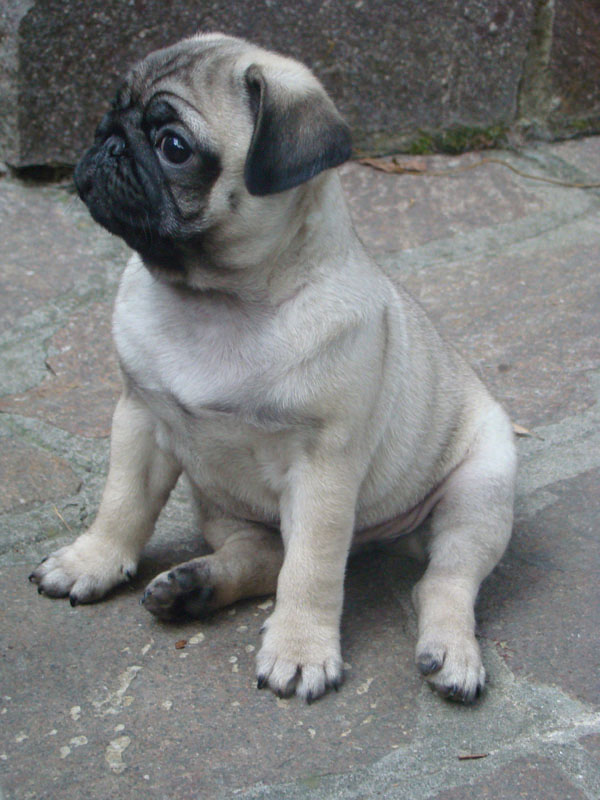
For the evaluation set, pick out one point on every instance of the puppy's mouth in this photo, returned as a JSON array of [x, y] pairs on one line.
[[122, 196]]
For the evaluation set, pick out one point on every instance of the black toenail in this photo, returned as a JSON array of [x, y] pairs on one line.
[[427, 664]]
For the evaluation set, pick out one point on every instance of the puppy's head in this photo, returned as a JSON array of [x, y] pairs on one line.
[[203, 142]]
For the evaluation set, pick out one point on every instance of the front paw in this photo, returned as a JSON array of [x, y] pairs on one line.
[[299, 656], [84, 571]]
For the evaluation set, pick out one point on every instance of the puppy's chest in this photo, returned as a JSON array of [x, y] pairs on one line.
[[224, 430], [217, 390], [239, 458]]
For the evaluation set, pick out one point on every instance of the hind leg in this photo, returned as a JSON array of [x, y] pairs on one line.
[[471, 526], [246, 562]]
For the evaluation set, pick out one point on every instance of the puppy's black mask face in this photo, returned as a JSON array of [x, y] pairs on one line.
[[154, 174], [137, 175]]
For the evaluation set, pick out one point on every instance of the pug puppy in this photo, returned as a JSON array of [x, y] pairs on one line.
[[265, 355]]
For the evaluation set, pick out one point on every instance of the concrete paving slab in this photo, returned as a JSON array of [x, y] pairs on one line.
[[395, 212], [541, 606], [82, 380], [100, 700], [592, 744], [524, 779], [30, 476], [583, 154]]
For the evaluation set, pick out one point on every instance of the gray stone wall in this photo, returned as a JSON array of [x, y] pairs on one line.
[[401, 72], [12, 13]]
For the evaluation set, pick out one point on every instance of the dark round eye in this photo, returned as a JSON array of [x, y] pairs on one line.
[[174, 148]]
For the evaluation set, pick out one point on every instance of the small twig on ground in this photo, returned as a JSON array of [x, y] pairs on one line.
[[62, 519], [396, 166]]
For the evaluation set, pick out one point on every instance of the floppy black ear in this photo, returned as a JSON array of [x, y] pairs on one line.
[[296, 135]]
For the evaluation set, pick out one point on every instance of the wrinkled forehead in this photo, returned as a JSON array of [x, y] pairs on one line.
[[193, 67]]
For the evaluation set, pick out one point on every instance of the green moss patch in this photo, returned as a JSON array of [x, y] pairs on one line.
[[457, 140]]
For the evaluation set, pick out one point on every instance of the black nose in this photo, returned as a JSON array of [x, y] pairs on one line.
[[115, 145]]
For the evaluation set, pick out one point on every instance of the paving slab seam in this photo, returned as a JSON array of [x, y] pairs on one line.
[[561, 450], [82, 452], [399, 780], [522, 238], [547, 723], [24, 349], [61, 518], [576, 763], [61, 306], [52, 312]]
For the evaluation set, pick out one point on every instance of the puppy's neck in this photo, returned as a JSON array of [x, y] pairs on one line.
[[276, 245]]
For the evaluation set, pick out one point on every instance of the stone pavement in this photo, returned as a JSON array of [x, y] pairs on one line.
[[103, 701]]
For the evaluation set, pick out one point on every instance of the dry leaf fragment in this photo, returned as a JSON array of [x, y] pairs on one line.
[[520, 430], [180, 644], [379, 163], [472, 756], [414, 164]]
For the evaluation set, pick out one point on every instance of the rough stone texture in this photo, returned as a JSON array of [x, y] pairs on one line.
[[507, 267], [560, 86], [545, 630], [583, 155], [81, 387], [26, 281], [392, 67], [29, 476], [592, 744], [395, 69], [11, 14], [575, 66], [521, 780], [407, 213]]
